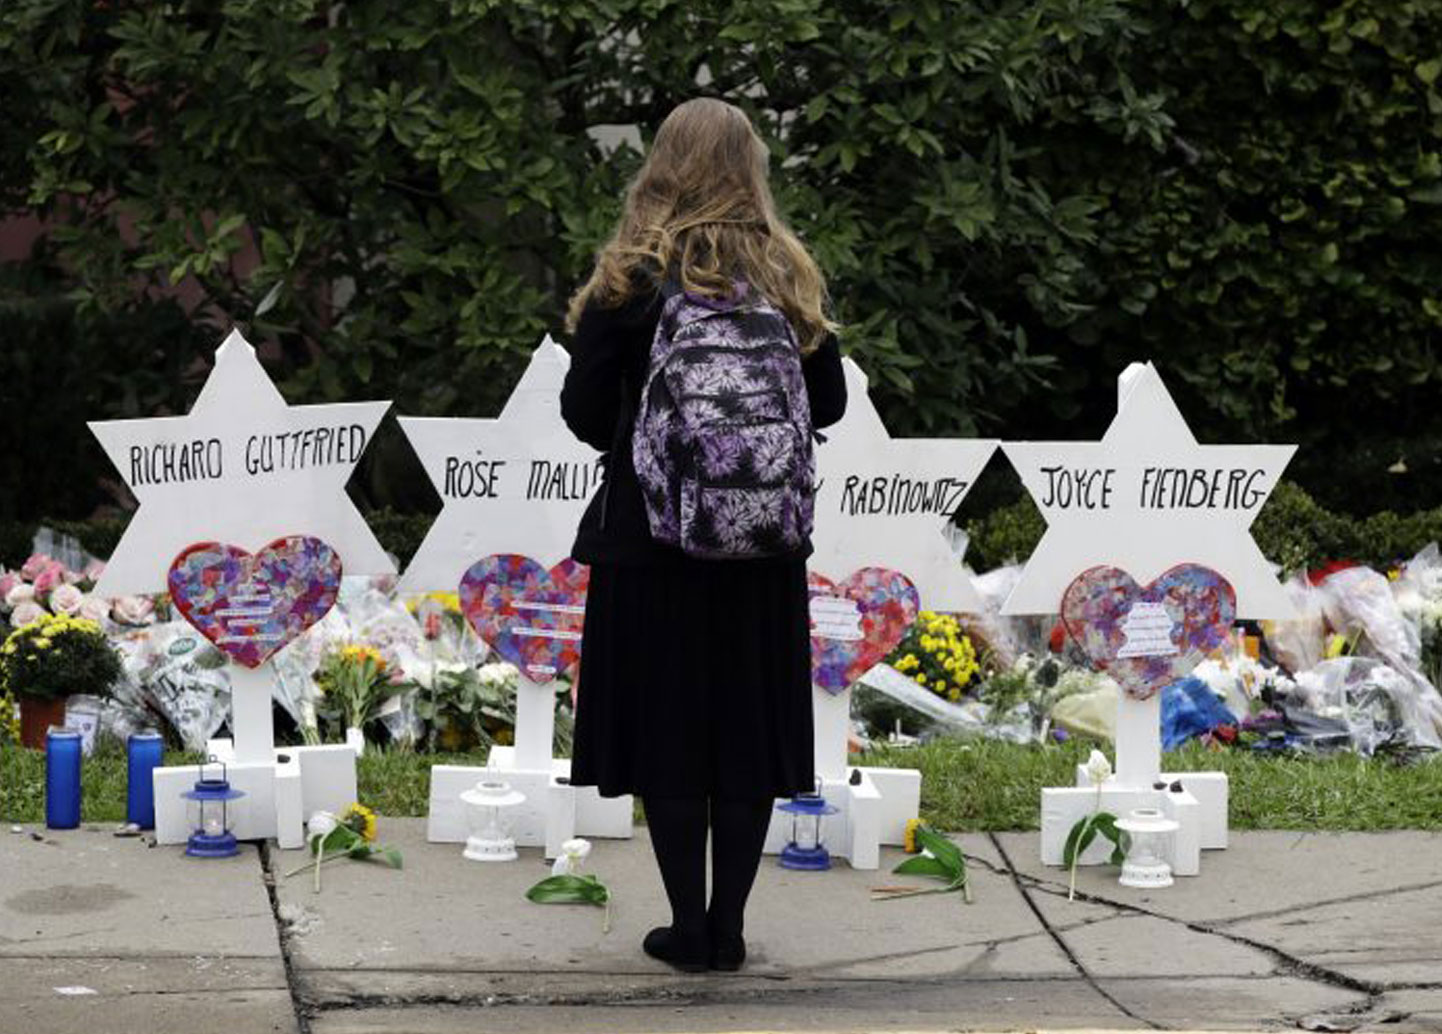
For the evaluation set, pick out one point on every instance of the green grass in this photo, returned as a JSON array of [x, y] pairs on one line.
[[975, 785]]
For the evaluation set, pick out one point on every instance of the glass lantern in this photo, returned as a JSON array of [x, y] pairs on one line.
[[209, 812], [806, 849], [1151, 845], [487, 804]]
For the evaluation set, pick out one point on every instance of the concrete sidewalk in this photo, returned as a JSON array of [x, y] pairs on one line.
[[1327, 932]]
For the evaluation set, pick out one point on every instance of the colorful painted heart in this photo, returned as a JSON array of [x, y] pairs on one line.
[[530, 616], [252, 604], [1148, 638], [857, 622]]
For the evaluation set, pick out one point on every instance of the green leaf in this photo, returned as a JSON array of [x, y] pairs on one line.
[[586, 890], [945, 852], [921, 865]]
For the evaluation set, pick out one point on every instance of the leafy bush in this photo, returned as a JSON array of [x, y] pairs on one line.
[[1013, 199]]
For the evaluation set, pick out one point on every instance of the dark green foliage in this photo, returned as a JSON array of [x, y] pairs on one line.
[[1013, 199]]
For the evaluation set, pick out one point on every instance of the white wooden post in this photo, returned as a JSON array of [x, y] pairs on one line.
[[535, 725], [831, 714], [250, 721], [1139, 741]]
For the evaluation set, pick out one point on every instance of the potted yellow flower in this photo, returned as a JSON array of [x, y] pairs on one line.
[[46, 661]]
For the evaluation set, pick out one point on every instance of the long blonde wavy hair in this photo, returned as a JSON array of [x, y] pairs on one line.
[[700, 210]]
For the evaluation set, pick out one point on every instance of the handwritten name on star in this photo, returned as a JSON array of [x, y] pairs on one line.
[[1156, 488]]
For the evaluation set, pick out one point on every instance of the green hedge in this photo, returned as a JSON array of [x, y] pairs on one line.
[[1013, 198], [1292, 529]]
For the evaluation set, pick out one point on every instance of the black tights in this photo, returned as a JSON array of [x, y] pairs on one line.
[[678, 836]]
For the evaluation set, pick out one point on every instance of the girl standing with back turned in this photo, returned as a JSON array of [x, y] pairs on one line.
[[702, 359]]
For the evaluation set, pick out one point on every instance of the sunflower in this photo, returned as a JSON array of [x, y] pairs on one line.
[[360, 819]]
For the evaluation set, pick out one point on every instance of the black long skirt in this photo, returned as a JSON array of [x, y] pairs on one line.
[[696, 681]]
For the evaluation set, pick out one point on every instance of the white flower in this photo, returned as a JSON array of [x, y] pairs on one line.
[[133, 610], [573, 853], [1098, 768], [95, 609], [66, 599], [25, 613], [498, 674], [21, 592], [321, 823]]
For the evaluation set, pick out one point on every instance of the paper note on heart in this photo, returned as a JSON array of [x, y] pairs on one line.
[[1148, 638], [252, 604], [857, 622], [530, 616]]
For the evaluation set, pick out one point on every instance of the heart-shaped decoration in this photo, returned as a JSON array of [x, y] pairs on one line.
[[530, 616], [1148, 637], [252, 604], [857, 622]]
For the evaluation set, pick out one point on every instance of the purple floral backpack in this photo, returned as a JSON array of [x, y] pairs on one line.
[[723, 439]]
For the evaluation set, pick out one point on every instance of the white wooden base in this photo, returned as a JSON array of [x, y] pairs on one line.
[[547, 819], [1200, 808], [280, 794], [607, 818], [874, 804]]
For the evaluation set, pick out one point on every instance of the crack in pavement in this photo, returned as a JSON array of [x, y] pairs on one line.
[[283, 936], [1061, 943], [716, 991], [1372, 992]]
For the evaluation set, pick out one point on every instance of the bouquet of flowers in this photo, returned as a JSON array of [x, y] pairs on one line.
[[351, 834], [356, 681], [44, 586]]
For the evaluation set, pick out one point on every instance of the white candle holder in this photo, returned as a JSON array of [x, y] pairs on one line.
[[1152, 834], [486, 805]]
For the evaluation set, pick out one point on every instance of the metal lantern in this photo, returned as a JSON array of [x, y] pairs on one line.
[[210, 814], [806, 850], [1152, 838], [486, 806]]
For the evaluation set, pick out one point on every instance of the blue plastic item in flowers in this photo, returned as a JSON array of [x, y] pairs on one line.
[[1190, 708], [212, 837], [805, 851]]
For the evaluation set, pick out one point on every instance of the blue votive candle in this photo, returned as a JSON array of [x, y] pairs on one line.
[[142, 751], [62, 778]]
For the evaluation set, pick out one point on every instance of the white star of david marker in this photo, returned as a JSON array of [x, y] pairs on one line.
[[885, 502], [515, 484], [1145, 498], [242, 467]]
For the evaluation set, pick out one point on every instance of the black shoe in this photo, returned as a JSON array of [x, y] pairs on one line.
[[728, 952], [689, 955]]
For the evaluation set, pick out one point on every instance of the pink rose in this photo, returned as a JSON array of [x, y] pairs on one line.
[[25, 613], [71, 577], [133, 610], [20, 592], [94, 570], [93, 608], [48, 578], [8, 581], [32, 567], [66, 599]]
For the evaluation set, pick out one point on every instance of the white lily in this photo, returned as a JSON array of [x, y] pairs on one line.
[[1098, 768], [573, 853]]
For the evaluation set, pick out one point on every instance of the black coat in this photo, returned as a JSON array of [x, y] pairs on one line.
[[609, 358]]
